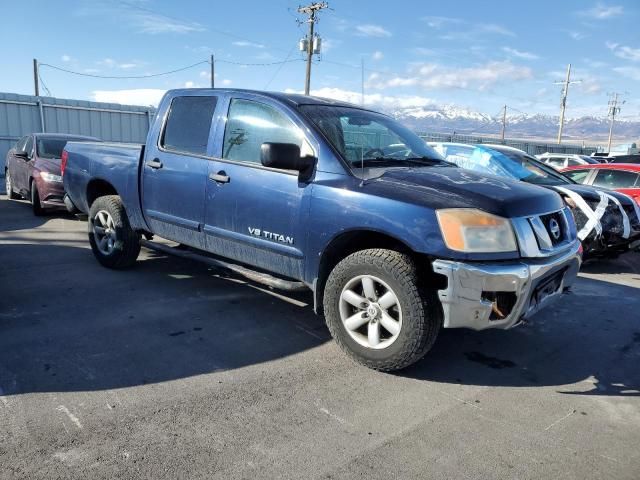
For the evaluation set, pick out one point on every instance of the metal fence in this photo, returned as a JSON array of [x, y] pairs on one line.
[[532, 148], [23, 114]]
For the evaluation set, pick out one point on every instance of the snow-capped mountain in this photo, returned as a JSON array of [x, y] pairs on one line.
[[452, 118]]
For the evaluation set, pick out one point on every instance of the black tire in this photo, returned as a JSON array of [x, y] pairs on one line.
[[9, 186], [36, 205], [126, 245], [421, 312]]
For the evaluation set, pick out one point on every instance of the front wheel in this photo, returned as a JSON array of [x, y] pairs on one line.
[[8, 184], [114, 243], [36, 205], [377, 312]]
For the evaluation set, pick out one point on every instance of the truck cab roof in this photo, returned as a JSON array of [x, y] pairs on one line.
[[293, 99]]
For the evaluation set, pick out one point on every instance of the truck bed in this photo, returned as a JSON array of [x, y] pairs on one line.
[[115, 163]]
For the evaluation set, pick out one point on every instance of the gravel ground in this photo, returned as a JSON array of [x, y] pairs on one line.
[[170, 370]]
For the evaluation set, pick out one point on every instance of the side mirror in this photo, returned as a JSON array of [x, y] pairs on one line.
[[285, 156], [21, 154]]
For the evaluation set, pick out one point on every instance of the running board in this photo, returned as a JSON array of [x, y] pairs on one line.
[[258, 277]]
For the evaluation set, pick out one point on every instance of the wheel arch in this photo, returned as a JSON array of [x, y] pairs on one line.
[[346, 243], [98, 187]]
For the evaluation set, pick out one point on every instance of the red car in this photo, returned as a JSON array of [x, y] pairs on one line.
[[32, 169], [621, 177]]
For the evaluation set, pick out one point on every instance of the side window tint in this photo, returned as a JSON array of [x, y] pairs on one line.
[[188, 124], [21, 143], [578, 176], [29, 146], [572, 162], [250, 124], [615, 179]]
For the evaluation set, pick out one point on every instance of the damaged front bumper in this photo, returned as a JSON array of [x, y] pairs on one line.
[[501, 295]]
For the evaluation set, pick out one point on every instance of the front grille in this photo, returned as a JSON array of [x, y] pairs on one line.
[[556, 228], [551, 230]]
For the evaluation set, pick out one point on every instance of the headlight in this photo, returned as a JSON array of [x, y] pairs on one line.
[[474, 231], [50, 177]]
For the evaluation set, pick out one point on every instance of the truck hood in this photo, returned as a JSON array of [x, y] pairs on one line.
[[453, 187]]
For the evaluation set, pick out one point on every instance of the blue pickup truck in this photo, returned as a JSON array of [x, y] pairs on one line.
[[394, 242]]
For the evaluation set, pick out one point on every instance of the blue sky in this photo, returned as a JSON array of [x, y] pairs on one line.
[[477, 55]]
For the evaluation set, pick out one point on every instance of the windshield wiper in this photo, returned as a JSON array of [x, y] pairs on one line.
[[402, 161], [430, 161]]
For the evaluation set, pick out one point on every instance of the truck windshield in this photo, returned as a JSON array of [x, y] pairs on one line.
[[370, 142]]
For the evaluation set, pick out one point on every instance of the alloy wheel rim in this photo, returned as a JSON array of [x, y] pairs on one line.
[[370, 312], [7, 184], [104, 230]]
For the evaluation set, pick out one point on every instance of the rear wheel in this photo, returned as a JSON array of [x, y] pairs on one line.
[[36, 205], [114, 243], [376, 311], [8, 184]]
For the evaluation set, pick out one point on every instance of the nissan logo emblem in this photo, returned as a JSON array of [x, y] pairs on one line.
[[554, 228]]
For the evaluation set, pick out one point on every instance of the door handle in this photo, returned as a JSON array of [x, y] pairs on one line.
[[220, 177], [155, 163]]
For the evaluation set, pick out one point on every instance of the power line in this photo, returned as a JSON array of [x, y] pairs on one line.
[[275, 74], [123, 77], [44, 85]]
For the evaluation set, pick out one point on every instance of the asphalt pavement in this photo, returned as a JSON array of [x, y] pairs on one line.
[[174, 370]]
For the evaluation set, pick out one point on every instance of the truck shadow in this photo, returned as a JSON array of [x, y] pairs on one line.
[[18, 215], [588, 344], [67, 324]]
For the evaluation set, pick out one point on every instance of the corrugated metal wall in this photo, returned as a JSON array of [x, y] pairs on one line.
[[22, 114]]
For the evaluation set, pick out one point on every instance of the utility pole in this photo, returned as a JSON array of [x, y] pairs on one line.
[[213, 71], [563, 102], [504, 122], [36, 82], [311, 45], [614, 109]]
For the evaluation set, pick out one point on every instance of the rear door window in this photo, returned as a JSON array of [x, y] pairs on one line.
[[188, 124], [615, 178]]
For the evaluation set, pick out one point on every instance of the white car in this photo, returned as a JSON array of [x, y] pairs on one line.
[[564, 160]]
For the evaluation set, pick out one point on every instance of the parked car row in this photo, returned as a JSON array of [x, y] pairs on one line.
[[32, 170], [608, 221], [394, 240]]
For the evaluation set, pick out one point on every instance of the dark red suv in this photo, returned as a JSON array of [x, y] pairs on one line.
[[32, 169]]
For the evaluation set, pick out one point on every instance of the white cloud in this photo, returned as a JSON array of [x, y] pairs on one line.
[[623, 51], [439, 22], [226, 82], [189, 84], [431, 75], [424, 51], [244, 43], [111, 63], [66, 58], [370, 30], [457, 28], [602, 11], [376, 99], [630, 72], [517, 53], [152, 23], [377, 55], [138, 17], [577, 35], [139, 96]]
